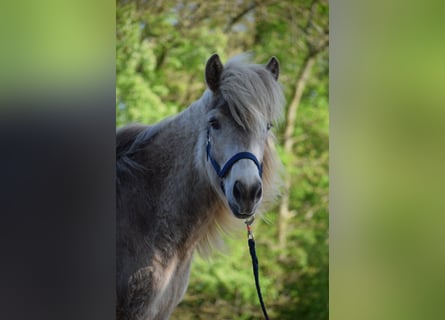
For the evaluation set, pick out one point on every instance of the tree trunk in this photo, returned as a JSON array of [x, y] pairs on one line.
[[284, 213]]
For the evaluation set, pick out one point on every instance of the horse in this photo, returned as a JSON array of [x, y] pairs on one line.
[[184, 180]]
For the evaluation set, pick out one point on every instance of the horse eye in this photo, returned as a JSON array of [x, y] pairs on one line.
[[269, 125], [214, 124]]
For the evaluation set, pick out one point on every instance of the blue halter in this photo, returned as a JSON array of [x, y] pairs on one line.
[[225, 169]]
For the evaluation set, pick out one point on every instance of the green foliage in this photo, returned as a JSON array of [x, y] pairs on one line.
[[161, 50], [138, 94]]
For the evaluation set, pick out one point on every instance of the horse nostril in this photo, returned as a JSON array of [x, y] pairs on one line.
[[250, 194], [257, 191], [238, 190]]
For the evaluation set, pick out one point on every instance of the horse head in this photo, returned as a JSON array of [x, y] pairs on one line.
[[239, 117]]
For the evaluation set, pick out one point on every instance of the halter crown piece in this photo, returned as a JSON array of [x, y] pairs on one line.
[[222, 172]]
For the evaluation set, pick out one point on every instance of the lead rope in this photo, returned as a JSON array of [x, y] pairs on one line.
[[251, 242]]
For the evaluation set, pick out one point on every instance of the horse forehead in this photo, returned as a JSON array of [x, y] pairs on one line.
[[249, 128], [241, 140]]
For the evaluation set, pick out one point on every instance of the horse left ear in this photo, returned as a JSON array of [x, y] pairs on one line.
[[213, 72], [274, 67]]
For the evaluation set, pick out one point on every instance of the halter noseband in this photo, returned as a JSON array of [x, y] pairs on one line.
[[222, 172]]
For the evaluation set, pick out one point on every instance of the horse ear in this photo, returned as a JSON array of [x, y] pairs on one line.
[[274, 67], [213, 72]]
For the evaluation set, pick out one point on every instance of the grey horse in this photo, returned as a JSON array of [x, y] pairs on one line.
[[183, 180]]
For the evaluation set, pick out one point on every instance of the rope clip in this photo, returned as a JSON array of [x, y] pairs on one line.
[[248, 223]]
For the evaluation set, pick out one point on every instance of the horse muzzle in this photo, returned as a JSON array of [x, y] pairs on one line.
[[245, 198]]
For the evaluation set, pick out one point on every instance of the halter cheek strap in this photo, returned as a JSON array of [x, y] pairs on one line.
[[225, 169]]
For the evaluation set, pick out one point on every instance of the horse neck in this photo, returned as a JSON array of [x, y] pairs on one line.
[[186, 138], [195, 201]]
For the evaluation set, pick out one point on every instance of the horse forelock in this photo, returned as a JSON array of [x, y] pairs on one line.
[[252, 94]]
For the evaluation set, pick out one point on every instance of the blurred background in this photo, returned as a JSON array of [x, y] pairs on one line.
[[161, 51], [58, 112]]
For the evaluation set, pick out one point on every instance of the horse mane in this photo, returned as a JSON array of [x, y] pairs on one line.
[[125, 139], [129, 140], [251, 92]]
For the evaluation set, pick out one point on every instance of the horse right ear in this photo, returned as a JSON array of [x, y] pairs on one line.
[[213, 72]]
